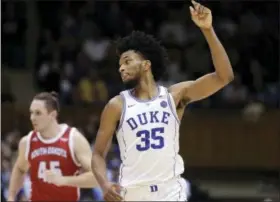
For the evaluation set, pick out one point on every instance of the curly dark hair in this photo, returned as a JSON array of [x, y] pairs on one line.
[[150, 48]]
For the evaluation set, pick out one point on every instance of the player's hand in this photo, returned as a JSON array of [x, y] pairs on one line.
[[201, 15], [11, 199], [54, 178], [112, 192]]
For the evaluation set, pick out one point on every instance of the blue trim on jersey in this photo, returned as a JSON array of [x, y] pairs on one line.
[[171, 106], [124, 157], [123, 113], [143, 101], [175, 154]]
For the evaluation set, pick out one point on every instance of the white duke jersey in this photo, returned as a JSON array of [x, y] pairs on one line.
[[148, 137]]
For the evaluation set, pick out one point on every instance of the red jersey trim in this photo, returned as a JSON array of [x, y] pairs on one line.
[[64, 128]]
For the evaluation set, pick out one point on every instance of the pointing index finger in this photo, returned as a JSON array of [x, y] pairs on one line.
[[195, 5], [194, 2]]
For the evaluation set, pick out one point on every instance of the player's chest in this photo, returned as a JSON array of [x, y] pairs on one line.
[[144, 114], [49, 158], [56, 160], [42, 152]]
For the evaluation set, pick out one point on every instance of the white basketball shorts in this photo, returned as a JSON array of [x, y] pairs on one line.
[[172, 190]]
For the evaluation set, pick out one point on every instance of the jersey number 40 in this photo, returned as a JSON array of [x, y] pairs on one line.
[[150, 139]]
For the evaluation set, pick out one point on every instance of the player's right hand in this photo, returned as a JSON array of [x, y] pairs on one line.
[[11, 199], [112, 192]]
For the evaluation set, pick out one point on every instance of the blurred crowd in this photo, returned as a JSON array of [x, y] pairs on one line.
[[76, 55]]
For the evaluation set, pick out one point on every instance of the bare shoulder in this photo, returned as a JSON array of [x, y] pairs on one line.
[[81, 144], [23, 141], [114, 106], [77, 135], [22, 145], [116, 102], [23, 150], [79, 138]]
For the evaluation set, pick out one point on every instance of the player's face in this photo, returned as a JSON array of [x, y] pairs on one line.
[[131, 68], [39, 115]]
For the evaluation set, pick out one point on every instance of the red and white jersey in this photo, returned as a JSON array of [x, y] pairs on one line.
[[55, 154]]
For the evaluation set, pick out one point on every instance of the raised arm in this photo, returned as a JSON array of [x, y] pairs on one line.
[[82, 154], [19, 170], [208, 84], [108, 124]]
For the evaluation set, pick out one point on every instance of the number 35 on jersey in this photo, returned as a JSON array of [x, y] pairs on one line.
[[150, 139]]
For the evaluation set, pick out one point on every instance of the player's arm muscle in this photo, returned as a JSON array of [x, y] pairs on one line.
[[208, 84], [108, 123], [82, 153], [19, 170]]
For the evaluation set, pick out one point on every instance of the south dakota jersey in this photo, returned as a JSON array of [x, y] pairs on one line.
[[56, 154], [148, 137]]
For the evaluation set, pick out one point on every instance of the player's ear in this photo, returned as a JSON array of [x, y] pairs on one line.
[[146, 64], [54, 114]]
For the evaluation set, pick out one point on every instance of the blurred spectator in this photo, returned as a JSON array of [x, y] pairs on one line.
[[68, 79], [92, 88], [49, 73], [174, 70], [6, 91], [5, 175], [12, 139], [67, 46], [198, 59], [173, 31], [95, 45], [257, 73], [13, 31], [46, 46], [253, 111], [114, 20], [91, 127], [270, 95]]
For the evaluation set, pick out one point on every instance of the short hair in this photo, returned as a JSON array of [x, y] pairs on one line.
[[50, 99], [150, 48]]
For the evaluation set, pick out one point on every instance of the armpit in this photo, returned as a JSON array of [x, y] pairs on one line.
[[183, 102]]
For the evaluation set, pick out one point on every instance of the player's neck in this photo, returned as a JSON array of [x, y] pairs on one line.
[[146, 89], [51, 131]]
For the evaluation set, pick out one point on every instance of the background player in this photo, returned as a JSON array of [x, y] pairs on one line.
[[148, 127], [54, 154]]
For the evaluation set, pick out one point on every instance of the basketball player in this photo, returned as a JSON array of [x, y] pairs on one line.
[[54, 154], [147, 117]]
